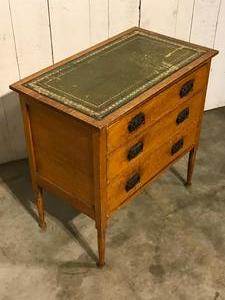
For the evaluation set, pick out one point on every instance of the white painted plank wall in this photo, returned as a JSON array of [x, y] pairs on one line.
[[70, 26], [159, 16], [9, 132], [36, 33], [184, 19], [204, 22], [205, 18], [31, 27], [99, 21], [123, 14], [216, 95], [33, 53]]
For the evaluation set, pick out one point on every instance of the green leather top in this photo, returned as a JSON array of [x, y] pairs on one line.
[[102, 80]]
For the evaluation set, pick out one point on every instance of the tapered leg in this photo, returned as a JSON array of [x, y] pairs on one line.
[[101, 247], [40, 209], [191, 162]]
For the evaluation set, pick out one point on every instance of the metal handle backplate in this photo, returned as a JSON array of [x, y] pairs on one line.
[[134, 180], [186, 88], [135, 150], [136, 121], [182, 116], [177, 146]]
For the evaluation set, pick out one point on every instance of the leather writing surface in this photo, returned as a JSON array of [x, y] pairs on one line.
[[103, 80]]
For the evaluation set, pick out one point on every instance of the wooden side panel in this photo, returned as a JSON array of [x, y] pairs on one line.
[[63, 151], [70, 27], [122, 15], [98, 21], [159, 16]]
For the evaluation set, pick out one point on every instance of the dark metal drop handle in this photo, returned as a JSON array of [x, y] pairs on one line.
[[137, 121], [186, 88], [135, 150], [134, 180], [177, 146], [182, 116]]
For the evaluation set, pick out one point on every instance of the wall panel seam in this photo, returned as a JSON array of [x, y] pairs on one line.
[[108, 19], [8, 140], [11, 145], [90, 32], [14, 39], [139, 13], [192, 18], [217, 20], [50, 31], [175, 29]]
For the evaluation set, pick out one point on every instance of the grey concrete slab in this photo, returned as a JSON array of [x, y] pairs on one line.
[[168, 243]]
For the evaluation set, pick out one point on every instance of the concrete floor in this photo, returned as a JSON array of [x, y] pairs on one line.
[[169, 243]]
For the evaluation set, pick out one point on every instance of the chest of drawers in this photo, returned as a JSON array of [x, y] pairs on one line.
[[102, 124]]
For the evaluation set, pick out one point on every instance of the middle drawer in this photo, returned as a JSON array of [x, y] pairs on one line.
[[187, 114]]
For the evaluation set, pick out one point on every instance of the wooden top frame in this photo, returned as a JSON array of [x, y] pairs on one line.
[[136, 101]]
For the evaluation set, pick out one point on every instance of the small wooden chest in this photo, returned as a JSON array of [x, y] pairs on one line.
[[103, 123]]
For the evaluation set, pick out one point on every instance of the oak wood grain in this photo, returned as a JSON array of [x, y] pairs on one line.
[[63, 150], [153, 136]]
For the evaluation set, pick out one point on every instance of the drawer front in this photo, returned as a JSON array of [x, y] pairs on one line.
[[181, 118], [147, 114], [125, 184]]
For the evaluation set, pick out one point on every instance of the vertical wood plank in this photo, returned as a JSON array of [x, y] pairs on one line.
[[184, 19], [31, 33], [204, 25], [31, 27], [204, 22], [215, 95], [15, 125], [6, 151], [11, 137], [122, 15], [98, 21], [159, 16], [70, 26]]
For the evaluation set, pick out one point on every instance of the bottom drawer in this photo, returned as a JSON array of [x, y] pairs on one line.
[[130, 181]]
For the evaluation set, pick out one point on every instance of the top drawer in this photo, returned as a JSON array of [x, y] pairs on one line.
[[145, 115]]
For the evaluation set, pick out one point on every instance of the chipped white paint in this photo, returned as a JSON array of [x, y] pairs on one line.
[[77, 24]]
